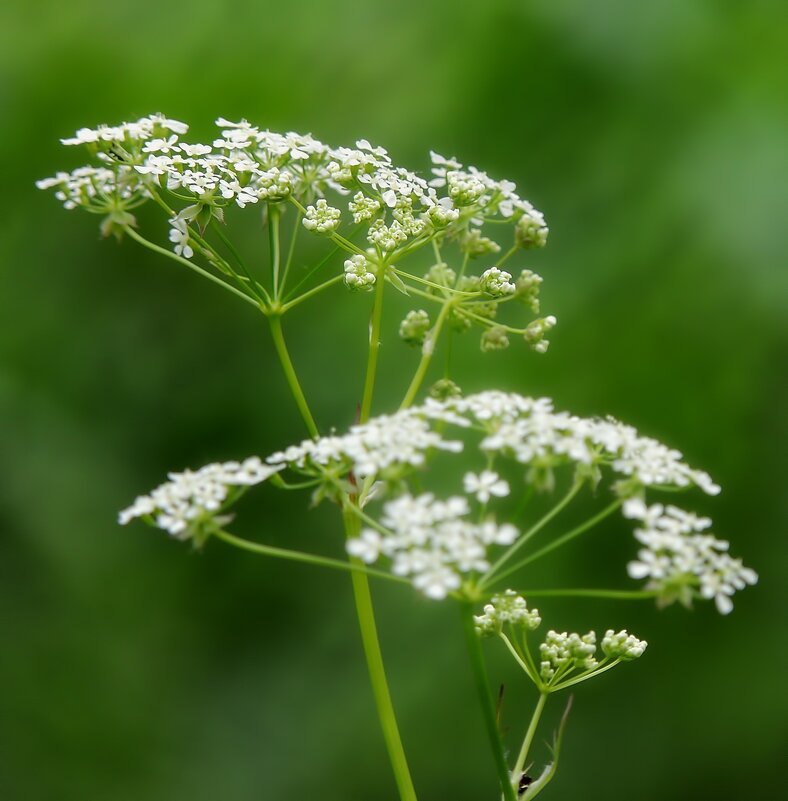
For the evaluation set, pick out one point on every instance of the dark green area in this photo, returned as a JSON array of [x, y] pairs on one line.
[[653, 136]]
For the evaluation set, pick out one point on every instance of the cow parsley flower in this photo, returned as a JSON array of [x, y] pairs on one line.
[[680, 561], [485, 484], [431, 542], [186, 505], [179, 235]]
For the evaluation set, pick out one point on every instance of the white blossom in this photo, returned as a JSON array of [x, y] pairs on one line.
[[678, 557], [179, 235], [431, 542], [485, 484], [191, 497]]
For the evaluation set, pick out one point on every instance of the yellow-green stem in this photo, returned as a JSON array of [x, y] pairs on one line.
[[476, 656], [529, 737], [275, 323], [374, 346], [377, 673], [426, 357], [204, 273]]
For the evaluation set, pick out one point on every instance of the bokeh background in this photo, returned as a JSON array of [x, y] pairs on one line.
[[653, 136]]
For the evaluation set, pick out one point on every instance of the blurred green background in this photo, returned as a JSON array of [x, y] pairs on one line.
[[653, 136]]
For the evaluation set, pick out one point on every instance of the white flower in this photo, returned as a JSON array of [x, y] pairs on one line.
[[431, 542], [678, 555], [485, 484], [192, 497], [179, 234]]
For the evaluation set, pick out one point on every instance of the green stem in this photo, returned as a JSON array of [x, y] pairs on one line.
[[584, 677], [426, 357], [310, 292], [520, 661], [253, 285], [306, 558], [275, 323], [575, 532], [273, 245], [509, 253], [619, 595], [488, 705], [204, 273], [374, 347], [538, 526], [529, 736], [291, 248], [377, 674]]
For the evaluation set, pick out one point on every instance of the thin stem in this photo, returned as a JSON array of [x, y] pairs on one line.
[[619, 595], [538, 526], [426, 357], [575, 532], [309, 293], [520, 661], [253, 284], [314, 269], [377, 674], [291, 248], [299, 556], [273, 244], [444, 289], [506, 256], [374, 347], [204, 273], [584, 677], [487, 702], [275, 323], [529, 736]]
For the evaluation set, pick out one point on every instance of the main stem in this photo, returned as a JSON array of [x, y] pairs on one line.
[[529, 736], [377, 673], [275, 322], [488, 706]]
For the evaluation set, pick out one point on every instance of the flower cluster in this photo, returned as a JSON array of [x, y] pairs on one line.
[[621, 645], [431, 541], [378, 449], [396, 210], [506, 608], [562, 652], [190, 499], [678, 559]]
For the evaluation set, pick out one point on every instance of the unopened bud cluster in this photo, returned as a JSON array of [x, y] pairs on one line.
[[507, 608], [322, 218], [413, 329], [357, 273]]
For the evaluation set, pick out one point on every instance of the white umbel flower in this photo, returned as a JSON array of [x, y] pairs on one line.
[[484, 485], [431, 542], [195, 496]]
